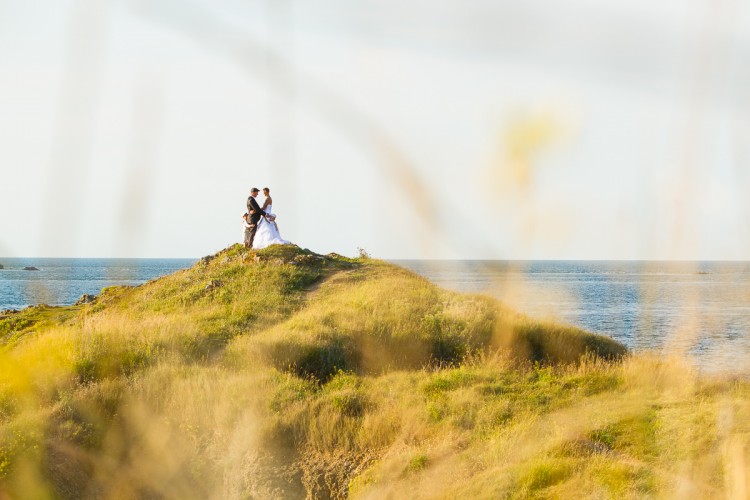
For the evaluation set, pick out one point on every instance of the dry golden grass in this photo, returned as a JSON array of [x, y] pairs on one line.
[[294, 375]]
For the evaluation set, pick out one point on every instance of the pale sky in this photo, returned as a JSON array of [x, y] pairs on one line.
[[487, 129]]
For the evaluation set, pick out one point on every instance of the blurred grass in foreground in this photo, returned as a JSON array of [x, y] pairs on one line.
[[283, 373]]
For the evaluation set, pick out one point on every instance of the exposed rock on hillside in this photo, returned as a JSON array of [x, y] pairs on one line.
[[85, 299]]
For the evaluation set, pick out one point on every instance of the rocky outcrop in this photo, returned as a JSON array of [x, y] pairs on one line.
[[85, 299], [213, 284], [30, 268], [308, 259]]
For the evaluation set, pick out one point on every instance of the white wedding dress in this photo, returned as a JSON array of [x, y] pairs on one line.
[[267, 233]]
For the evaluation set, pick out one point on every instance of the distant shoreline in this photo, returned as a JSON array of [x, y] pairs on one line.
[[62, 281], [642, 304]]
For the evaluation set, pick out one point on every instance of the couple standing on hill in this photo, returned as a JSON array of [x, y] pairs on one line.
[[261, 230]]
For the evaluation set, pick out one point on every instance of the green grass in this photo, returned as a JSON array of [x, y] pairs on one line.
[[282, 373]]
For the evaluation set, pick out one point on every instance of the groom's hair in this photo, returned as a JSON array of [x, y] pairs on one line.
[[254, 190]]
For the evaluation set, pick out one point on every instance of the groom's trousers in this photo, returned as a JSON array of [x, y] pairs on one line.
[[250, 235]]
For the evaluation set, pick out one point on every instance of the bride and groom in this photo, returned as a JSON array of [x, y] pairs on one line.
[[261, 230]]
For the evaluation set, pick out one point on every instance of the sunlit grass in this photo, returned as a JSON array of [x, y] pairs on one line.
[[286, 374]]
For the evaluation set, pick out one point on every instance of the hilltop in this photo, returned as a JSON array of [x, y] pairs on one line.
[[284, 373]]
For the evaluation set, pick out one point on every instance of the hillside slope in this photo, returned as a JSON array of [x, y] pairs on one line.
[[286, 374]]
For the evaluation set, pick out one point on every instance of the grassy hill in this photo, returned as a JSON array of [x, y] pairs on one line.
[[286, 374]]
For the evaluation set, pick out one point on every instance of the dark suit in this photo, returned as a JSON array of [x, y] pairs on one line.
[[255, 213]]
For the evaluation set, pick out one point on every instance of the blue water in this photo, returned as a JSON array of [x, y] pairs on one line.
[[63, 281], [699, 309]]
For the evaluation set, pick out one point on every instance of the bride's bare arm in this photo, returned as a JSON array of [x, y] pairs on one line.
[[267, 202]]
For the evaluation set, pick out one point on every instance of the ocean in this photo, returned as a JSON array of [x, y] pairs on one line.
[[700, 309], [697, 309], [63, 281]]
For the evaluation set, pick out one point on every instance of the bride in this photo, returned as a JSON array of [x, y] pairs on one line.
[[268, 232]]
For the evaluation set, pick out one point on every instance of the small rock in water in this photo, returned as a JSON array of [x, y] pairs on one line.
[[30, 268], [1, 266], [85, 299]]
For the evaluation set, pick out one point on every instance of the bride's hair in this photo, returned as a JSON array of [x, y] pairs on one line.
[[266, 190]]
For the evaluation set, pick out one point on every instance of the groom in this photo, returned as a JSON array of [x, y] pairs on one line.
[[254, 214]]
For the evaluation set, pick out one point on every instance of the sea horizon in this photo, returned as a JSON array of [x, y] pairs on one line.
[[700, 308], [60, 281]]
